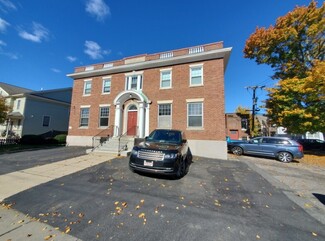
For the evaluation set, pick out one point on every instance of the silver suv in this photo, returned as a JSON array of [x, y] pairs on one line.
[[282, 148]]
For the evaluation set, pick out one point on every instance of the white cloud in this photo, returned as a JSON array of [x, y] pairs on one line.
[[3, 25], [98, 9], [94, 51], [56, 70], [2, 43], [6, 5], [38, 34], [8, 54], [71, 59]]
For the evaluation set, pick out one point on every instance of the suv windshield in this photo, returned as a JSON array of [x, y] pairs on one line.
[[165, 136]]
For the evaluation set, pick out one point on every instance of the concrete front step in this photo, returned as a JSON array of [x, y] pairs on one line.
[[116, 146]]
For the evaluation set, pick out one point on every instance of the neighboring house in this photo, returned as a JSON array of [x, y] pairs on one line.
[[35, 112], [266, 129], [237, 126], [178, 89]]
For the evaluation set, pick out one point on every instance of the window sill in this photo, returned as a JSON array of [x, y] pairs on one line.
[[86, 95], [83, 127], [195, 128], [106, 93], [192, 86], [165, 88]]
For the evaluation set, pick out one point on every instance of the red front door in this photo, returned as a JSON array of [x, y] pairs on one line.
[[132, 123]]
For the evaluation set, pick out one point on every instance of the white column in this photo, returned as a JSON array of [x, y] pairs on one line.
[[141, 119], [147, 121], [117, 123]]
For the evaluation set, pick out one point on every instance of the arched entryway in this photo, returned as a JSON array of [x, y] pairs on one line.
[[132, 120], [131, 114]]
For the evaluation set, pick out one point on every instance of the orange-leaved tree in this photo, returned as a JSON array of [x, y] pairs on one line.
[[295, 48]]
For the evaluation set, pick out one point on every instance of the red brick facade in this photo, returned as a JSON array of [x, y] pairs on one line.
[[213, 59]]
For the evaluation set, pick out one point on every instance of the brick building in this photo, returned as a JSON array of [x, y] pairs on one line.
[[237, 127], [179, 89]]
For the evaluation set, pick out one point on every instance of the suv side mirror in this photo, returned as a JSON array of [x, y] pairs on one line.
[[184, 140]]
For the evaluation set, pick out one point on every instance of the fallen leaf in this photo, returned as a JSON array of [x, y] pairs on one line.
[[314, 234], [307, 205], [21, 221], [67, 229], [29, 235], [257, 236], [142, 215], [89, 222], [48, 237], [117, 202]]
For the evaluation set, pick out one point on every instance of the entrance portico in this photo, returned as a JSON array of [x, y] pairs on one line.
[[131, 114]]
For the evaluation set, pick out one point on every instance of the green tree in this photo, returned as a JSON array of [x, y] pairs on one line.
[[299, 104], [3, 110], [295, 49]]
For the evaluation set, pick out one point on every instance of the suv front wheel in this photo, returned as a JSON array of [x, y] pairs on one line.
[[284, 156]]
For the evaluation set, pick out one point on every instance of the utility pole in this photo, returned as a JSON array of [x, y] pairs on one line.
[[254, 108]]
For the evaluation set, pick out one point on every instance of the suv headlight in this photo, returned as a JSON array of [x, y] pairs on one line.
[[134, 152], [170, 155]]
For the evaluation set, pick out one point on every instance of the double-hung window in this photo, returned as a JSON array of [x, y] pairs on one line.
[[84, 117], [103, 116], [87, 87], [196, 75], [164, 115], [195, 114], [165, 79], [106, 86], [133, 81]]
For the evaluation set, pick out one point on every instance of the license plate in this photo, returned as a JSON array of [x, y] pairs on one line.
[[148, 164]]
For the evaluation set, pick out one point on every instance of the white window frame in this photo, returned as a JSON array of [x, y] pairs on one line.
[[85, 87], [107, 79], [49, 120], [80, 116], [195, 66], [195, 101], [171, 112], [99, 116], [139, 79], [161, 78]]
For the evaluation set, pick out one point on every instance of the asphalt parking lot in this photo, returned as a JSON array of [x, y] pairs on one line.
[[216, 200], [22, 160]]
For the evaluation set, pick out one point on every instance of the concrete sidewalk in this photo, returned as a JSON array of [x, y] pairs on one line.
[[17, 226]]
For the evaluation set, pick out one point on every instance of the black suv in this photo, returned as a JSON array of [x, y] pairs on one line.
[[163, 152]]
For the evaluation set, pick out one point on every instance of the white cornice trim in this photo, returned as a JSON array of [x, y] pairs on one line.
[[223, 53]]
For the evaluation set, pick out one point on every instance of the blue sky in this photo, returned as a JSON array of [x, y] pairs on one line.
[[42, 41]]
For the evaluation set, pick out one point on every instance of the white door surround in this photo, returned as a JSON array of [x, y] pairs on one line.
[[122, 102]]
